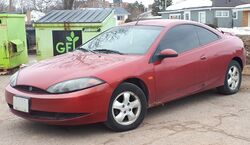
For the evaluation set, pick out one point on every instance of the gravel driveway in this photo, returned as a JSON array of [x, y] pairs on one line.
[[206, 118]]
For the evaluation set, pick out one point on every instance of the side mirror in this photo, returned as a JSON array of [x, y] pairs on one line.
[[167, 53]]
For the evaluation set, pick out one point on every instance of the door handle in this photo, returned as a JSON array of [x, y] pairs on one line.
[[203, 57]]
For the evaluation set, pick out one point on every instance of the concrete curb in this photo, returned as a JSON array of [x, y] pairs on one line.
[[246, 70]]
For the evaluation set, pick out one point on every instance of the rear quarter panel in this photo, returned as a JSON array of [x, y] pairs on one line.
[[220, 54]]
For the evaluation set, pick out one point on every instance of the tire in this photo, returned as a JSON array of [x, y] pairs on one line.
[[233, 79], [127, 108]]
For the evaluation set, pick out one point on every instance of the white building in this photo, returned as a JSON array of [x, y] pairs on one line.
[[121, 15]]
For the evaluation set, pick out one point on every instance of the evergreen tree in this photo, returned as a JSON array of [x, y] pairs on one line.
[[160, 5]]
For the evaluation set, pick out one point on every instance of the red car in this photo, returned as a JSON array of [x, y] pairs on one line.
[[116, 76]]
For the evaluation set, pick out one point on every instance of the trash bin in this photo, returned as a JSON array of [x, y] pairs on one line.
[[61, 31], [13, 46]]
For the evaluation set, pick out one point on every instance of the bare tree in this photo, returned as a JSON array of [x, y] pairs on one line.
[[10, 5], [7, 5], [25, 5], [135, 9], [3, 5], [68, 4], [42, 5]]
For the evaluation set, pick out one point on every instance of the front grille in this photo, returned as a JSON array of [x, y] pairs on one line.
[[54, 115], [30, 89], [49, 115]]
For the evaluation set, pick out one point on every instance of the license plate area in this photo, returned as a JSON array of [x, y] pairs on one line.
[[21, 104]]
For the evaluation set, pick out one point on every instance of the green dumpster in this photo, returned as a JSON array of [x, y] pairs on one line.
[[61, 31], [13, 44]]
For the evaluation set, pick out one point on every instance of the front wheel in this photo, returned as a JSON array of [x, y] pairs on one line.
[[233, 79], [127, 108]]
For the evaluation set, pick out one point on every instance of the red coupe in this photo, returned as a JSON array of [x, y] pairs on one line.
[[116, 76]]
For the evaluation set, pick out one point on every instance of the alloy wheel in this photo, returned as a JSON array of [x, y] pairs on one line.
[[233, 78], [126, 108]]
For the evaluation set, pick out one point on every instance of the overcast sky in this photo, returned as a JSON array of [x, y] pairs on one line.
[[145, 2]]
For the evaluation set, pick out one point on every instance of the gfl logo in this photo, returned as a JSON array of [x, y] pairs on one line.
[[69, 45]]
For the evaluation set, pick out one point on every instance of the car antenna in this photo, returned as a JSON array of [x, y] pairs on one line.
[[141, 16]]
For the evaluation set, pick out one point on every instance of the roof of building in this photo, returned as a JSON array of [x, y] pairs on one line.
[[121, 11], [243, 6], [87, 15], [190, 4], [11, 15]]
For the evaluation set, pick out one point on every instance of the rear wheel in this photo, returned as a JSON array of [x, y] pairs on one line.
[[233, 78], [127, 108]]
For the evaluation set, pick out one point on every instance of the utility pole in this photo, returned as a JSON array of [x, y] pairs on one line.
[[22, 6], [165, 5]]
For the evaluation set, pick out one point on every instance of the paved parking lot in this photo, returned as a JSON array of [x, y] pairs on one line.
[[206, 118]]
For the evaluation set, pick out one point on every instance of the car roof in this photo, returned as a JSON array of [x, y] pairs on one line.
[[160, 22], [167, 23]]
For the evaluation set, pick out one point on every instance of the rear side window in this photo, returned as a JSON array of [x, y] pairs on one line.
[[206, 36], [180, 38]]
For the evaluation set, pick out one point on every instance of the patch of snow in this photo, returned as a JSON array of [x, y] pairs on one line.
[[36, 15], [177, 1], [237, 30], [190, 4], [243, 6]]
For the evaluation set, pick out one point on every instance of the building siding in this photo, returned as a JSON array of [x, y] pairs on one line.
[[238, 22], [194, 15], [225, 22], [165, 16], [210, 17], [218, 5]]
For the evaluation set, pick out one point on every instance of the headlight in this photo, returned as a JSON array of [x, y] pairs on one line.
[[74, 85], [13, 79]]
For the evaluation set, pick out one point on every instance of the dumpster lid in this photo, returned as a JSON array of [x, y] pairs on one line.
[[86, 15], [12, 15]]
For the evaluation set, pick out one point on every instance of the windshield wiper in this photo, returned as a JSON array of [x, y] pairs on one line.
[[87, 50], [108, 51]]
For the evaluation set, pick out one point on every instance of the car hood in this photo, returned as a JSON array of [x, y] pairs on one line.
[[68, 66]]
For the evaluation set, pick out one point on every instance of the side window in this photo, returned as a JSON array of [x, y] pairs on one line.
[[206, 36], [180, 38]]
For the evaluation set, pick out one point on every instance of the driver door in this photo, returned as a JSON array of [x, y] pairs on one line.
[[183, 75]]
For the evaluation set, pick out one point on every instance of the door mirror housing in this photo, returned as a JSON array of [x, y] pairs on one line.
[[167, 53]]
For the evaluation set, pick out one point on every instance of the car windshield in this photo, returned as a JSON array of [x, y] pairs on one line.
[[124, 40]]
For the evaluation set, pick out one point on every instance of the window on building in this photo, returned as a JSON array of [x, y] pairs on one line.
[[202, 18], [187, 15], [221, 14], [235, 14], [175, 16], [120, 18]]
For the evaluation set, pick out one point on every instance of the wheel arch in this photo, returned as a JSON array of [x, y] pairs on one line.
[[238, 59], [140, 83]]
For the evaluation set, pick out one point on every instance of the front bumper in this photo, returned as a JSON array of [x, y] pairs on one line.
[[81, 107]]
